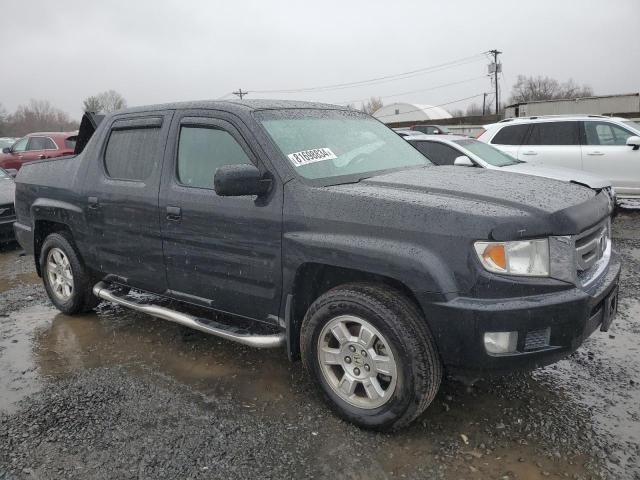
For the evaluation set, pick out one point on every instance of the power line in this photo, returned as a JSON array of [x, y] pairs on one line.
[[432, 106], [417, 91], [240, 93], [385, 78]]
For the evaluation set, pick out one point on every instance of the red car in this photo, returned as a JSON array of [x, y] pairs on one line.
[[37, 146]]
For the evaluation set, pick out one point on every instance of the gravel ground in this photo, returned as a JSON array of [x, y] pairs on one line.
[[117, 394]]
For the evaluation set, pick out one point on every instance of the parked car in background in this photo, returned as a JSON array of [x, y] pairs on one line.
[[7, 210], [405, 132], [431, 129], [467, 152], [606, 146], [341, 242], [38, 146], [6, 142]]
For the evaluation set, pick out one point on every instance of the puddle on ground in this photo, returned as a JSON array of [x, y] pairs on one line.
[[43, 340], [51, 344]]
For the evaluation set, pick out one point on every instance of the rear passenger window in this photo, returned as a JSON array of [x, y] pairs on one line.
[[41, 143], [133, 153], [554, 133], [511, 135], [202, 150]]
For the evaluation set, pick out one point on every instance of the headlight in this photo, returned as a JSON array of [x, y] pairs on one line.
[[521, 257]]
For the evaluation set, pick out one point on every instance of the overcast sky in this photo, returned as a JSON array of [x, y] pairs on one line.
[[159, 51]]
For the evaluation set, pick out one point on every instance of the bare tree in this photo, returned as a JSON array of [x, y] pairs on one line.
[[104, 102], [473, 110], [457, 113], [92, 104], [528, 89], [374, 103], [38, 115]]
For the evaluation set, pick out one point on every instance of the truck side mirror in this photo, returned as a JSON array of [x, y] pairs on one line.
[[6, 150], [634, 141], [240, 180], [463, 161]]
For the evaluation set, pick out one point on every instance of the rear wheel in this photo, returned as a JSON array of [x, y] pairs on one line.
[[66, 280], [371, 352]]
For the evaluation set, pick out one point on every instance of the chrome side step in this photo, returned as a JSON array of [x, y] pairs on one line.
[[100, 290]]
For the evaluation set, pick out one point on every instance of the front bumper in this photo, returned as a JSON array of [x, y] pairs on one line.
[[571, 315]]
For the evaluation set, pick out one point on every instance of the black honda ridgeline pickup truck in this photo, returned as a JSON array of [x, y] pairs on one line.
[[318, 228]]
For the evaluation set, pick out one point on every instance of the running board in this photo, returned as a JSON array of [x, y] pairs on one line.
[[101, 290]]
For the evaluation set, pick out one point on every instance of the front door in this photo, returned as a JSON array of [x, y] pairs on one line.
[[221, 252], [122, 201], [605, 152]]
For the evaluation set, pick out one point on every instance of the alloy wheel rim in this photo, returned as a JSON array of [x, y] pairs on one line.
[[357, 362], [60, 274]]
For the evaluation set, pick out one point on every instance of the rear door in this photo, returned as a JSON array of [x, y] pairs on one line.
[[221, 252], [553, 144], [605, 152], [37, 149], [122, 200]]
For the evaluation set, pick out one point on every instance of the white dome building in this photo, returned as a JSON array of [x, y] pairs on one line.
[[410, 112]]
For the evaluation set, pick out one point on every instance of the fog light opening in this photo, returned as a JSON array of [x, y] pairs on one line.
[[500, 342]]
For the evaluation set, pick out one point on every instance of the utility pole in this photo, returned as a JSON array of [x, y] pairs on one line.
[[495, 68], [484, 103], [240, 93]]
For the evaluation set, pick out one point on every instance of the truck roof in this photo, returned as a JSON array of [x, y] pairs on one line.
[[244, 105]]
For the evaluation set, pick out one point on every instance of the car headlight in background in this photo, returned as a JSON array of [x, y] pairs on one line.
[[520, 257]]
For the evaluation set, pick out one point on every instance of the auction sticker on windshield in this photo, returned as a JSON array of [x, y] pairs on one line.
[[311, 156]]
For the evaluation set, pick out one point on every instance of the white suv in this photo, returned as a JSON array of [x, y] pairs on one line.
[[605, 146]]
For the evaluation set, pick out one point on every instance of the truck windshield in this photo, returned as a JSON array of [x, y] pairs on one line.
[[338, 146], [489, 154]]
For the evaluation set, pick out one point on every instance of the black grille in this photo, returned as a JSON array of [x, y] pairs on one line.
[[591, 245], [7, 211], [537, 339]]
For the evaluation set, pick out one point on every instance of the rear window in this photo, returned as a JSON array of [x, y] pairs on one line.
[[70, 142], [133, 153], [511, 135], [554, 133]]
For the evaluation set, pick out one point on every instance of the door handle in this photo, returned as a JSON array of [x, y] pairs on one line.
[[94, 204], [174, 213], [595, 152], [41, 157], [529, 152]]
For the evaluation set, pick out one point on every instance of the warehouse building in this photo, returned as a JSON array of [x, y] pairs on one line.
[[410, 112], [600, 105]]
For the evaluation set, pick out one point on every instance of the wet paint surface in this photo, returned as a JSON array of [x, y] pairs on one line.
[[579, 418]]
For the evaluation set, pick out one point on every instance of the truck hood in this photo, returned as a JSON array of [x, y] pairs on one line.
[[559, 173], [7, 189], [512, 205]]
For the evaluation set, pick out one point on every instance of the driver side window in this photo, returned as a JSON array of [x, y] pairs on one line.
[[604, 133], [20, 145], [202, 150]]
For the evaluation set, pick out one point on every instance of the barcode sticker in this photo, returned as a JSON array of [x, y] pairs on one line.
[[311, 156]]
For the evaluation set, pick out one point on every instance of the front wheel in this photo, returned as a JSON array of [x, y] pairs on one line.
[[371, 352], [66, 280]]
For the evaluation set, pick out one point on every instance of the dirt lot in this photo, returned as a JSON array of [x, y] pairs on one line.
[[121, 395]]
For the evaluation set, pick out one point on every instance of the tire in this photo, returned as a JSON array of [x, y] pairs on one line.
[[402, 346], [59, 258]]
